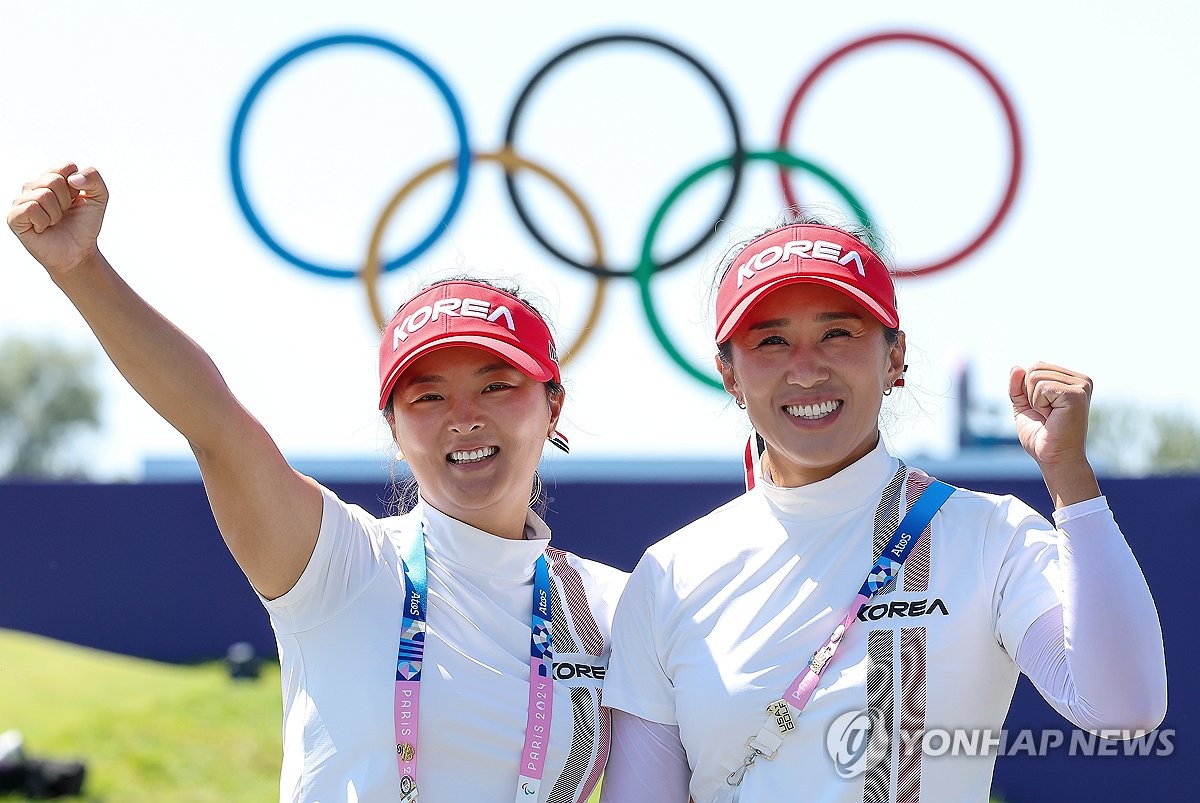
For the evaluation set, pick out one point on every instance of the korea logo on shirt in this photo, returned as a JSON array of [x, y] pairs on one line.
[[579, 670]]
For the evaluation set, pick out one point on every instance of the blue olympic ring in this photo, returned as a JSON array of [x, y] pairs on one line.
[[462, 163]]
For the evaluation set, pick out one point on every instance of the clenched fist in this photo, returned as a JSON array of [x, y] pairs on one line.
[[58, 215], [1050, 404]]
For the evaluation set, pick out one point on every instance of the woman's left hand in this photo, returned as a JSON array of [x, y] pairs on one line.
[[1050, 405]]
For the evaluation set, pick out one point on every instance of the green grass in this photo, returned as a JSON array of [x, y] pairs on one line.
[[147, 731]]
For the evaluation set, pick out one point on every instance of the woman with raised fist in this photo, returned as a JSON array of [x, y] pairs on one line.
[[796, 643], [418, 651]]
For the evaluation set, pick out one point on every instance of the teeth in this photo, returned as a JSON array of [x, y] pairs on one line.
[[812, 410], [473, 456]]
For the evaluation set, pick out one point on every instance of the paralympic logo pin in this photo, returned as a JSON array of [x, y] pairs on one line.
[[648, 266]]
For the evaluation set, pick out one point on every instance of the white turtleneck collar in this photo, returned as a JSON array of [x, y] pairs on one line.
[[859, 484], [475, 550]]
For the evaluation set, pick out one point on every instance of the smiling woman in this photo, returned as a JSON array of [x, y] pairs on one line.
[[451, 367], [817, 407], [713, 690], [425, 647]]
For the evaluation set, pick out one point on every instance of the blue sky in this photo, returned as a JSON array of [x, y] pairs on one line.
[[1081, 271]]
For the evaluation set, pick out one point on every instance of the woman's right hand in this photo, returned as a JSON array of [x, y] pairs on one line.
[[58, 215]]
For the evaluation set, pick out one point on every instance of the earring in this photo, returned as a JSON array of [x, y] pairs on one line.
[[741, 403], [399, 456], [888, 392]]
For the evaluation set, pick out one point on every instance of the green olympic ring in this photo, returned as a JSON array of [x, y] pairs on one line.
[[647, 268]]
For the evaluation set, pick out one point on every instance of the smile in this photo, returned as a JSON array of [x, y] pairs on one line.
[[472, 456], [813, 411]]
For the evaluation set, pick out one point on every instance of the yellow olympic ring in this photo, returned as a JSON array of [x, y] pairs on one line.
[[510, 162]]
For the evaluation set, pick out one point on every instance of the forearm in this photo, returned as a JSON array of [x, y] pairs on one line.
[[165, 366], [1071, 482], [1099, 660]]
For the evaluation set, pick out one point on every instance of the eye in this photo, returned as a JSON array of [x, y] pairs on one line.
[[771, 340], [427, 397], [835, 333], [493, 386]]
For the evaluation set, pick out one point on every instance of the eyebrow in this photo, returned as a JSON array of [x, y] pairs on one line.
[[823, 317], [436, 378]]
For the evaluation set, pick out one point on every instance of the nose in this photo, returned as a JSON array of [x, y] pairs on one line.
[[464, 416], [808, 368]]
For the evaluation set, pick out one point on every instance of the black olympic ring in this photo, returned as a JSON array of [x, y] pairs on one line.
[[510, 133]]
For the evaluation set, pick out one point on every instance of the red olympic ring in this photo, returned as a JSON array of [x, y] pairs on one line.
[[1010, 114]]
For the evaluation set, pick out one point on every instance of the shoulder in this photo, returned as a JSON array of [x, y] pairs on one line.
[[339, 515], [335, 508], [598, 579], [710, 534], [973, 506], [714, 545], [401, 529], [998, 522]]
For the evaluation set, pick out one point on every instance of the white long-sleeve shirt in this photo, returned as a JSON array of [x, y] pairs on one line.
[[719, 617]]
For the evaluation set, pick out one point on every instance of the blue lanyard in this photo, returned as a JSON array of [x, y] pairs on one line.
[[410, 657], [907, 534]]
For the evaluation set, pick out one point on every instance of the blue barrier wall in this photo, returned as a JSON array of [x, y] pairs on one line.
[[142, 570]]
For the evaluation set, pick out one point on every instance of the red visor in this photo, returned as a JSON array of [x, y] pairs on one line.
[[806, 253], [464, 313]]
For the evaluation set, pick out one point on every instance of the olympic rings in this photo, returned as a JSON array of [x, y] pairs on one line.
[[510, 133], [646, 269], [509, 161], [1014, 174], [239, 125]]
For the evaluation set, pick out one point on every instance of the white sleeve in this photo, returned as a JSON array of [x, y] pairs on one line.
[[1098, 657], [647, 763], [636, 681], [347, 556], [1021, 553]]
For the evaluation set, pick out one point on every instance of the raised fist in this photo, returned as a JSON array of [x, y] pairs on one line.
[[58, 215]]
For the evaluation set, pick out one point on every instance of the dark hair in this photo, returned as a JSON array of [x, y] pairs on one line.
[[795, 216], [404, 494]]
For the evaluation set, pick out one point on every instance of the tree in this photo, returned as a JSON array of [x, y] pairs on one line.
[[47, 398], [1132, 439]]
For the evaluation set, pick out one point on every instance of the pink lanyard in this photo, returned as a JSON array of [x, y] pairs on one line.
[[779, 719], [410, 657]]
